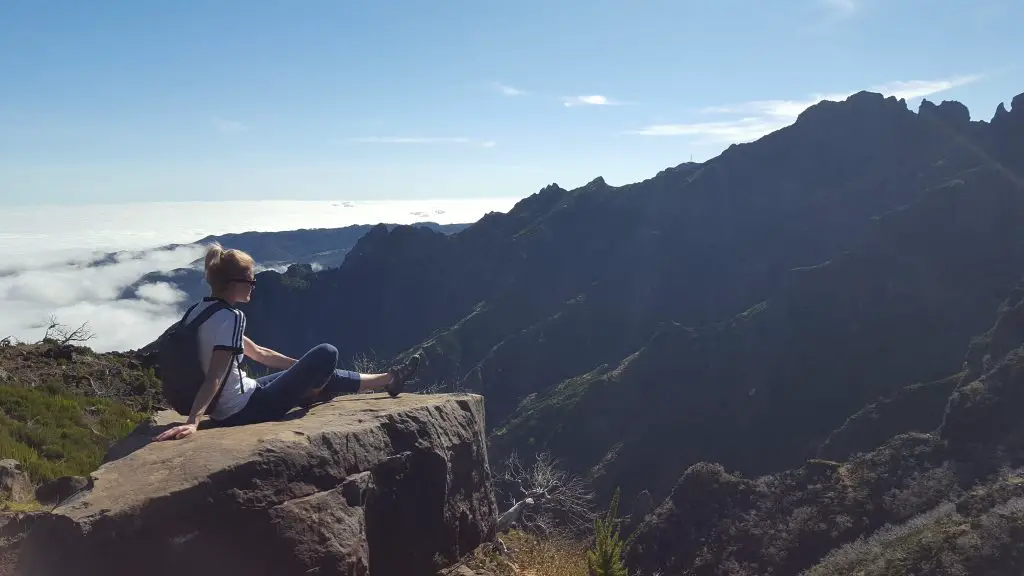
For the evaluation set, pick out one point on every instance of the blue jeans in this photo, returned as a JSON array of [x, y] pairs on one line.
[[281, 391]]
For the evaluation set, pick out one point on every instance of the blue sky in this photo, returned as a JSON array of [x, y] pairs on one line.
[[106, 101]]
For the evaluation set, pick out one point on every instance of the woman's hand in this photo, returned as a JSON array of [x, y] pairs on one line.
[[177, 433]]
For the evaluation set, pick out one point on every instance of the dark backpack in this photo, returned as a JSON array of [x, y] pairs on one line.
[[179, 367]]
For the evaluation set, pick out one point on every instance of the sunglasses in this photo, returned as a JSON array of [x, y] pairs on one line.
[[244, 281]]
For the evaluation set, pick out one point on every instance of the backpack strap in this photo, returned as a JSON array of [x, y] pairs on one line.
[[187, 312], [190, 309], [206, 313]]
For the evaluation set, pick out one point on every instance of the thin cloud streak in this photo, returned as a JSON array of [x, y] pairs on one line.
[[508, 90], [589, 100], [743, 130], [911, 89], [760, 117]]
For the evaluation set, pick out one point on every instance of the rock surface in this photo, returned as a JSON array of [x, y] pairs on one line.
[[364, 484], [15, 485], [13, 528], [61, 488]]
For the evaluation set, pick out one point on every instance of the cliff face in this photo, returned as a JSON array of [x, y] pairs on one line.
[[362, 485], [950, 501]]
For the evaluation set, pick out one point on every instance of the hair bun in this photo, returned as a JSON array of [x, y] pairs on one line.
[[213, 254]]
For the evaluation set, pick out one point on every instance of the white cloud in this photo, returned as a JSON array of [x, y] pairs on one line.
[[422, 140], [75, 294], [741, 130], [919, 88], [755, 119], [508, 90], [45, 251], [226, 126], [160, 293], [591, 100]]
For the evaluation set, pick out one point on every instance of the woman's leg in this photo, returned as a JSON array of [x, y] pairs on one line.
[[282, 391], [348, 382], [315, 377]]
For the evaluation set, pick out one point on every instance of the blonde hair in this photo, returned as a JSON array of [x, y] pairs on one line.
[[223, 266]]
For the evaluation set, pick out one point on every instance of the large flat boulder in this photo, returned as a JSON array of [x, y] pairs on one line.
[[364, 484]]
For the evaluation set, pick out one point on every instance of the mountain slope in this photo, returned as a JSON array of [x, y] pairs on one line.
[[820, 268], [947, 502], [696, 243], [764, 389]]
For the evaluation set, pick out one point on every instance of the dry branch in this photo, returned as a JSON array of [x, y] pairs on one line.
[[545, 499]]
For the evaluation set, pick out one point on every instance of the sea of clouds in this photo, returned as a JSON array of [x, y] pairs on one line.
[[48, 255]]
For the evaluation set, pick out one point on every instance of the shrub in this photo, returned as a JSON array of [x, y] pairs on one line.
[[605, 559], [530, 554]]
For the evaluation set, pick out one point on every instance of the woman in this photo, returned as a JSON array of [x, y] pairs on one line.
[[238, 399]]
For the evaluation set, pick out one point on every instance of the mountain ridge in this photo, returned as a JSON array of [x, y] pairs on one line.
[[520, 304], [319, 247]]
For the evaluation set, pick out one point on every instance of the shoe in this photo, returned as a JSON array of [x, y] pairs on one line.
[[401, 374]]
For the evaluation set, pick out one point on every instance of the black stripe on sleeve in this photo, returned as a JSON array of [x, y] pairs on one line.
[[239, 328], [236, 334]]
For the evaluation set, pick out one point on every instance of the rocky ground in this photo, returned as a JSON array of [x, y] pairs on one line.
[[396, 485]]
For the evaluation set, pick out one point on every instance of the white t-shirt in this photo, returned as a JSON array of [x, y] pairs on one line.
[[223, 331]]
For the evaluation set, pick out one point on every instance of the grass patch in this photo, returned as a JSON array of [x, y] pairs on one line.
[[55, 433], [15, 507], [533, 556]]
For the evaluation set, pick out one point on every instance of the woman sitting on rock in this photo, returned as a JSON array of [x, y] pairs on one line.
[[235, 397]]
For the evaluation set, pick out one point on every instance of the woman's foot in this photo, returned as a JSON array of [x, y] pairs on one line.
[[400, 374]]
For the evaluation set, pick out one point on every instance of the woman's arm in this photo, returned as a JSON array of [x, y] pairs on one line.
[[219, 364], [266, 356]]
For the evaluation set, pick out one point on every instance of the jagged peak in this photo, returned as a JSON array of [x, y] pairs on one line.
[[1016, 109], [862, 101], [551, 188], [949, 111], [597, 183]]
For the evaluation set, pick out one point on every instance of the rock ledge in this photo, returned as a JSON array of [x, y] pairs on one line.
[[365, 484]]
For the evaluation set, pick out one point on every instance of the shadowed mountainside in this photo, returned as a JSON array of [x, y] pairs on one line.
[[947, 502], [753, 302], [763, 390]]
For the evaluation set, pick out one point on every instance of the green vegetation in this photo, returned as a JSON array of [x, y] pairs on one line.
[[605, 559], [62, 406], [943, 541], [54, 433], [15, 507]]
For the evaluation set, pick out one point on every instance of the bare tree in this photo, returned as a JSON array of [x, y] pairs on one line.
[[544, 498], [366, 363], [63, 335]]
